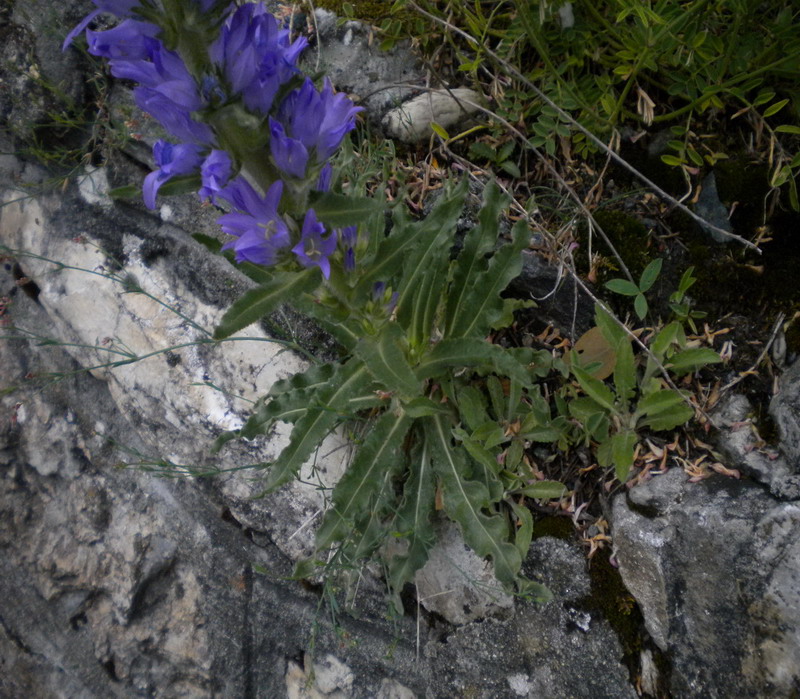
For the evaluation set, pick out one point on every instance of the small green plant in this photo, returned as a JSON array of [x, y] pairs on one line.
[[414, 361], [681, 305], [638, 291], [611, 415]]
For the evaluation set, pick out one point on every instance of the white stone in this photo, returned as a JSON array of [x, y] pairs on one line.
[[457, 583], [411, 122]]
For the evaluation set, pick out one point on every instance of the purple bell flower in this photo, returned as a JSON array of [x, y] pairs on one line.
[[319, 120], [129, 40], [325, 177], [172, 159], [289, 154], [175, 119], [255, 55], [164, 72], [120, 8], [215, 172], [313, 250], [260, 231]]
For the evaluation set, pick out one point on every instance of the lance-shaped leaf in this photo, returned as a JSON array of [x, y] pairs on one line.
[[351, 380], [406, 234], [471, 262], [314, 377], [338, 210], [386, 361], [374, 526], [381, 451], [426, 300], [471, 352], [258, 302], [291, 405], [692, 359], [413, 521], [595, 389], [425, 271], [482, 306], [663, 410], [466, 503]]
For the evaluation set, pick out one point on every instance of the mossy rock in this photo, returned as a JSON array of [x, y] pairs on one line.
[[630, 238]]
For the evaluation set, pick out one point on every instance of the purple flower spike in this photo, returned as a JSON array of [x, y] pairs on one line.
[[172, 159], [255, 55], [313, 249], [215, 172], [289, 154], [260, 231]]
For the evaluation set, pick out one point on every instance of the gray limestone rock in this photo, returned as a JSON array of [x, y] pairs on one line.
[[349, 54], [714, 569]]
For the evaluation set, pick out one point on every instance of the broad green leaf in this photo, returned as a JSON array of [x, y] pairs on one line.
[[481, 307], [623, 445], [650, 274], [349, 381], [339, 210], [640, 306], [497, 395], [543, 490], [669, 419], [413, 520], [381, 452], [490, 434], [611, 329], [595, 389], [541, 434], [466, 502], [471, 262], [659, 401], [129, 191], [597, 425], [472, 407], [670, 334], [386, 361], [622, 286], [775, 108], [421, 407], [524, 533], [514, 455], [624, 372], [788, 128], [672, 161], [258, 302], [692, 359], [582, 407], [471, 352], [480, 453], [534, 591]]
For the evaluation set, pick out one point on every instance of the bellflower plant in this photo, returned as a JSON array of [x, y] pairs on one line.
[[250, 132]]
